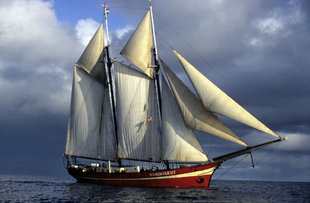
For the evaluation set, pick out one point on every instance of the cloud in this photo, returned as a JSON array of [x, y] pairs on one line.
[[121, 32], [296, 141], [36, 57], [32, 25], [270, 25], [85, 29]]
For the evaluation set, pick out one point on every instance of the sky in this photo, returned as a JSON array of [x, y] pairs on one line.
[[256, 51]]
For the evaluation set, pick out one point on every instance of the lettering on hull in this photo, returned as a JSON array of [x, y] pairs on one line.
[[164, 173]]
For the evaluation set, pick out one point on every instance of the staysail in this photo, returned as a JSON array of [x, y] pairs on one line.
[[193, 112], [179, 142], [216, 101], [138, 48], [90, 131], [138, 131]]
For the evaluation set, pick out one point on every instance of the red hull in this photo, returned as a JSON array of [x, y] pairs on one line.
[[194, 176]]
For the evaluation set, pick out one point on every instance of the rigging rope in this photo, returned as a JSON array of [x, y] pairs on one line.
[[212, 142], [259, 161], [165, 42], [230, 168], [124, 7], [268, 152]]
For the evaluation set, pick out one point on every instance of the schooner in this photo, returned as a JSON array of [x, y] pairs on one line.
[[135, 127]]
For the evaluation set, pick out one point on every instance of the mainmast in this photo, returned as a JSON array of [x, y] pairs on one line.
[[109, 64], [156, 67], [105, 12]]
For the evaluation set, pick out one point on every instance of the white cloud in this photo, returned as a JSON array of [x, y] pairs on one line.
[[123, 31], [36, 56], [270, 25], [275, 25], [31, 33], [278, 19], [256, 42], [295, 141], [85, 29]]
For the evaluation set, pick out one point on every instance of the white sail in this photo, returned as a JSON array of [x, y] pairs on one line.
[[90, 134], [92, 58], [138, 133], [215, 100], [138, 48], [193, 112], [107, 139], [153, 131], [178, 142]]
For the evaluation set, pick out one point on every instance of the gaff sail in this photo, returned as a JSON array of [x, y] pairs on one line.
[[137, 116]]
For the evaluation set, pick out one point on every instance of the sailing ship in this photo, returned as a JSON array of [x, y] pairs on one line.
[[131, 127]]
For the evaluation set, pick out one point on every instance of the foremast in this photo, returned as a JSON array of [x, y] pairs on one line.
[[156, 60], [156, 67], [109, 66]]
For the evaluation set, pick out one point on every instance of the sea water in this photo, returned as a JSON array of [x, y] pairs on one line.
[[65, 189]]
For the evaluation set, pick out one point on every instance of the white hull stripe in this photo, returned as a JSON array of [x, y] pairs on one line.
[[208, 171]]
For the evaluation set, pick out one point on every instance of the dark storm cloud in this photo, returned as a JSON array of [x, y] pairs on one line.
[[32, 144], [256, 52]]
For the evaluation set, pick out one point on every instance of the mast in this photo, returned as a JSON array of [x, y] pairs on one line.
[[109, 64], [105, 12], [156, 67]]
